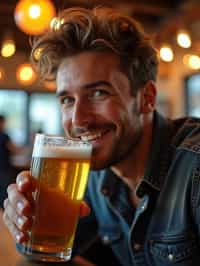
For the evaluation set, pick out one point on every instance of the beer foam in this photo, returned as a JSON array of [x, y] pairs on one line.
[[76, 152]]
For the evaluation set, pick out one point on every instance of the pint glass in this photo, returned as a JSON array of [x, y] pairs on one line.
[[60, 168]]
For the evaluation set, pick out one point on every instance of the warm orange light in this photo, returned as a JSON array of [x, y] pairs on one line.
[[34, 16], [25, 74], [50, 85], [34, 11], [192, 61], [166, 53], [8, 48], [37, 54], [1, 74], [183, 39]]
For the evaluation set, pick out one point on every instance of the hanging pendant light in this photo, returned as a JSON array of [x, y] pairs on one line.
[[34, 16]]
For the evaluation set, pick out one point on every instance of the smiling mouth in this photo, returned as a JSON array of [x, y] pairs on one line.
[[93, 137]]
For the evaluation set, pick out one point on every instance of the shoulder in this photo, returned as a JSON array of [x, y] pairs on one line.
[[186, 133]]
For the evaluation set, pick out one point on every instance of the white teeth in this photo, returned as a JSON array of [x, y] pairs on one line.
[[90, 137]]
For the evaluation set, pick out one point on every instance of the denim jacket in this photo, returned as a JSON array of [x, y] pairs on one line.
[[164, 229]]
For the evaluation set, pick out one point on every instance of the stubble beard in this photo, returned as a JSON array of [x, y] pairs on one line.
[[121, 148]]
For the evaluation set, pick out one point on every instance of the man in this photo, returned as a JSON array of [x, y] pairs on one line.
[[144, 188]]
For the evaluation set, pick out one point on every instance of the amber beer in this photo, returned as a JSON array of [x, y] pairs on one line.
[[60, 168]]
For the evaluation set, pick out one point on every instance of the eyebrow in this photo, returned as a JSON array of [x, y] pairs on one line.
[[87, 86]]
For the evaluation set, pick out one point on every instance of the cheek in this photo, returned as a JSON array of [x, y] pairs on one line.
[[118, 114], [112, 111]]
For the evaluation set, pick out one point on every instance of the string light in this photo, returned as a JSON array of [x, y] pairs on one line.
[[8, 48], [194, 62], [25, 74], [166, 53], [183, 39]]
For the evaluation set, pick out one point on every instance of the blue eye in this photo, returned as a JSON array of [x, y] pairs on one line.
[[100, 93], [67, 101]]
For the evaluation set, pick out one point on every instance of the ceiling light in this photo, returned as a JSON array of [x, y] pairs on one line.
[[194, 62], [183, 39], [166, 53], [34, 11], [33, 17], [25, 74], [8, 48]]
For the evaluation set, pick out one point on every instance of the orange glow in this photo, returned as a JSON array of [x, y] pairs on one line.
[[37, 53], [25, 74], [34, 16], [184, 39], [8, 48], [1, 74], [50, 85], [166, 53], [34, 11], [192, 61]]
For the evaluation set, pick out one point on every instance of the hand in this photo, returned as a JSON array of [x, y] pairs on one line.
[[19, 207]]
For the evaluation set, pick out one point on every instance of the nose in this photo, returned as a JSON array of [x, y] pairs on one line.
[[82, 114]]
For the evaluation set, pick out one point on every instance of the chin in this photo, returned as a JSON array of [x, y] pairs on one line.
[[102, 159], [96, 166]]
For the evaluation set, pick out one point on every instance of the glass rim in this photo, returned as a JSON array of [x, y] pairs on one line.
[[64, 138]]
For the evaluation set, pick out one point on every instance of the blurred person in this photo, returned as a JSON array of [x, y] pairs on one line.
[[7, 149], [144, 186]]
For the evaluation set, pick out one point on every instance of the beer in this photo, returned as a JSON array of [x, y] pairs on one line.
[[61, 174]]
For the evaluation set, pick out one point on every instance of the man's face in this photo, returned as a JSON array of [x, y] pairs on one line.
[[97, 106]]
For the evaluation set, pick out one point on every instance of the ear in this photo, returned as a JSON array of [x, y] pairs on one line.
[[148, 97]]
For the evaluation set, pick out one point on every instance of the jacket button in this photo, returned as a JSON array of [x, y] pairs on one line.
[[137, 247], [106, 239], [171, 257]]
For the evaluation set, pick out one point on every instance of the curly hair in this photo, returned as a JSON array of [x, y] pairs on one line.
[[100, 29]]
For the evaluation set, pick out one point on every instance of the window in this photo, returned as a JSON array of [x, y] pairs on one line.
[[13, 105], [44, 113], [27, 114], [193, 95]]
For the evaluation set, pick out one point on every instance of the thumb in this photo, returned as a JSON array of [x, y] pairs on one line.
[[84, 209]]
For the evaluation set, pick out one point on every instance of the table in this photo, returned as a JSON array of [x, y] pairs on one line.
[[10, 257]]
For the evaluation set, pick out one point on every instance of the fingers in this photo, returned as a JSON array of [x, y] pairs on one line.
[[25, 182], [18, 201], [21, 221], [18, 207], [84, 209], [18, 235]]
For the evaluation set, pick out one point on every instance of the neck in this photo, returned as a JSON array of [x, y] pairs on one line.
[[131, 170]]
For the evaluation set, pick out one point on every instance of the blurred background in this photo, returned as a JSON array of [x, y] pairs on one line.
[[31, 107]]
